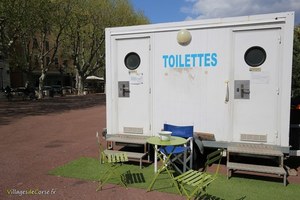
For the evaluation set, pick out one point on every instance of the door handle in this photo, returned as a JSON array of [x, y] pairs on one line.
[[227, 92], [125, 90], [244, 91]]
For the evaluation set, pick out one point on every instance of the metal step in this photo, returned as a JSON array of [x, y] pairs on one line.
[[256, 168], [255, 149], [127, 139], [131, 155]]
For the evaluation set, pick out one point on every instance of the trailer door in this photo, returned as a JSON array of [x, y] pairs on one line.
[[256, 59], [133, 92]]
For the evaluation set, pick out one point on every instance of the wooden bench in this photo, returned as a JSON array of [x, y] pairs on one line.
[[126, 140], [255, 150], [129, 140], [257, 168], [134, 156]]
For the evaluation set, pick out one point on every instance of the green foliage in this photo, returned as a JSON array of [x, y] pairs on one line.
[[16, 22], [75, 28], [124, 15], [85, 36], [26, 20], [296, 63]]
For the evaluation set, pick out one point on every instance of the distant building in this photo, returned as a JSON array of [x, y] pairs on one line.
[[15, 75], [4, 73]]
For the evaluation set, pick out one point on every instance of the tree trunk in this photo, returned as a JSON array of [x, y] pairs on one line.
[[41, 85], [79, 83]]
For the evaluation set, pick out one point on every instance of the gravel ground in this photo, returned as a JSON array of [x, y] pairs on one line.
[[37, 136]]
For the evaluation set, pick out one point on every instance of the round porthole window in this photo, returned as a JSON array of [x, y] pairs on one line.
[[132, 61], [255, 56]]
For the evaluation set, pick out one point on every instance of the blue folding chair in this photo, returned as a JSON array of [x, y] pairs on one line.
[[180, 154]]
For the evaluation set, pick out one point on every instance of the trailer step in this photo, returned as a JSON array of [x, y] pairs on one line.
[[257, 168], [130, 141], [127, 139], [131, 155], [255, 149]]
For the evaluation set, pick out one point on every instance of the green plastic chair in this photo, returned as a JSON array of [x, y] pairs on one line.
[[193, 182], [113, 160]]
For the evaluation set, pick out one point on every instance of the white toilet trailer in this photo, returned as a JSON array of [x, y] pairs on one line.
[[230, 77]]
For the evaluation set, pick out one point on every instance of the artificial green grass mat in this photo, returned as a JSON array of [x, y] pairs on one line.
[[235, 188]]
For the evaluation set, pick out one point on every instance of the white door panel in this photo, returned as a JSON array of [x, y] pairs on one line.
[[133, 85], [256, 85]]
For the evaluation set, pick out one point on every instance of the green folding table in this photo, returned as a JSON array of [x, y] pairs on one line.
[[156, 141]]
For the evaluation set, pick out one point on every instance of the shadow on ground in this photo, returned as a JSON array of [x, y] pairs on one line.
[[13, 110]]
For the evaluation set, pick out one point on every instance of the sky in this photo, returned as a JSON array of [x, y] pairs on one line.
[[159, 11]]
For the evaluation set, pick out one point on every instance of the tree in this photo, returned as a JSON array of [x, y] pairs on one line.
[[86, 33], [296, 63], [16, 32], [53, 20], [75, 29], [27, 27]]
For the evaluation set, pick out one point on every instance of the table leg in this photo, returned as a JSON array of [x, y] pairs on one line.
[[153, 181], [164, 167], [155, 159], [148, 147]]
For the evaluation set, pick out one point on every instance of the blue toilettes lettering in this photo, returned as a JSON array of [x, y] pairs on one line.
[[190, 60]]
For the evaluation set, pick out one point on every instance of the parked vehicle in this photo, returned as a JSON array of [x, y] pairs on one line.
[[22, 93], [47, 91], [7, 92], [57, 90], [67, 90]]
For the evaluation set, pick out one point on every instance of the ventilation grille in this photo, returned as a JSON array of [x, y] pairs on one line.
[[253, 138], [134, 130]]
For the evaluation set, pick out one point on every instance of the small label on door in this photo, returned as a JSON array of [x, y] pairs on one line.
[[255, 69], [260, 78], [136, 78]]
